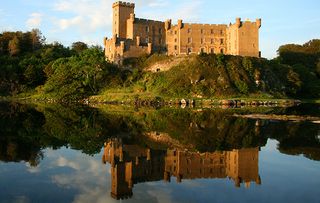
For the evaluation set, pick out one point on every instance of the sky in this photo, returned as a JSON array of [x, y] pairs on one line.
[[89, 21]]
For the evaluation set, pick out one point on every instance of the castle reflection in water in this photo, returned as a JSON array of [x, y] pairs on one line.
[[132, 164]]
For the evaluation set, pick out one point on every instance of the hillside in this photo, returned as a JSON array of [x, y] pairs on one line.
[[214, 76]]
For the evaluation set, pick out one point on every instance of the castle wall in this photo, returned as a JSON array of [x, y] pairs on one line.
[[144, 36], [186, 38], [149, 31]]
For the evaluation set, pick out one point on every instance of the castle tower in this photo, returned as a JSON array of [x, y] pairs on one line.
[[243, 38], [121, 13]]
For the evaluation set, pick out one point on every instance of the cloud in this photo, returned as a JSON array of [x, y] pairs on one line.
[[63, 162], [34, 20], [158, 4], [188, 11], [86, 15]]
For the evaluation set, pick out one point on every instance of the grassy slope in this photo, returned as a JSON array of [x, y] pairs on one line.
[[204, 77]]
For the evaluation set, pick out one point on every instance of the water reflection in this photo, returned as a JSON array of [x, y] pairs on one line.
[[132, 164], [57, 150]]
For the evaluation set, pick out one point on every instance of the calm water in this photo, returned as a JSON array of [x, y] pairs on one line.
[[120, 154]]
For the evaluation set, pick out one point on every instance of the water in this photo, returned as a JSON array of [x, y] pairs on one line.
[[121, 154]]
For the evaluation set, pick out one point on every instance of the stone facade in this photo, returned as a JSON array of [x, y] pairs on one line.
[[133, 37]]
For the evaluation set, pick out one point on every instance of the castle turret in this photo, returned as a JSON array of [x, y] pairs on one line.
[[132, 17], [258, 22], [105, 39], [180, 24], [238, 22], [167, 24]]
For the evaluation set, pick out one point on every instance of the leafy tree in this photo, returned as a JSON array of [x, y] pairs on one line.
[[78, 76], [79, 47], [14, 46]]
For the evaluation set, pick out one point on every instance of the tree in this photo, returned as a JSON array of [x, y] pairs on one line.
[[37, 39], [14, 46], [79, 47], [78, 76]]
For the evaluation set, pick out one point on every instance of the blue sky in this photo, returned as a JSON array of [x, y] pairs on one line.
[[67, 21]]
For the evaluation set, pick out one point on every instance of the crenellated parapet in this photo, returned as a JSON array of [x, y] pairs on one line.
[[258, 22], [167, 24], [123, 4]]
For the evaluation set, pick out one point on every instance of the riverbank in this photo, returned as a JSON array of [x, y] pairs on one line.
[[150, 100]]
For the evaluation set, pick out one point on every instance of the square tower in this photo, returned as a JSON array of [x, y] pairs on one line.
[[243, 38], [121, 13]]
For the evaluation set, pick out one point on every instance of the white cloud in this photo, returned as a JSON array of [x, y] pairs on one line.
[[32, 169], [63, 162], [34, 20], [87, 16], [189, 11], [67, 23], [158, 4]]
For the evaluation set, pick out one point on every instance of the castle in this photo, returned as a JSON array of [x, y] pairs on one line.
[[133, 37], [132, 164]]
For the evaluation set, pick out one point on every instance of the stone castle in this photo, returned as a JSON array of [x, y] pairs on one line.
[[132, 164], [133, 37]]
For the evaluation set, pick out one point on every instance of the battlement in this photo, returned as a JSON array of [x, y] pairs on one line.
[[142, 20], [124, 4], [201, 24]]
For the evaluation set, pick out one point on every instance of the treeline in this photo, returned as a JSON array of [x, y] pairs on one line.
[[305, 63], [28, 64]]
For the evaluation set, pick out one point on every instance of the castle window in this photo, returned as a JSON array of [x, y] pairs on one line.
[[189, 40], [175, 39], [175, 32], [221, 32], [201, 41], [175, 47], [221, 51], [212, 31], [212, 50], [253, 45], [201, 31], [221, 41]]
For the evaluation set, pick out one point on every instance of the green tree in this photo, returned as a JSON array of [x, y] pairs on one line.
[[14, 46], [79, 47]]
